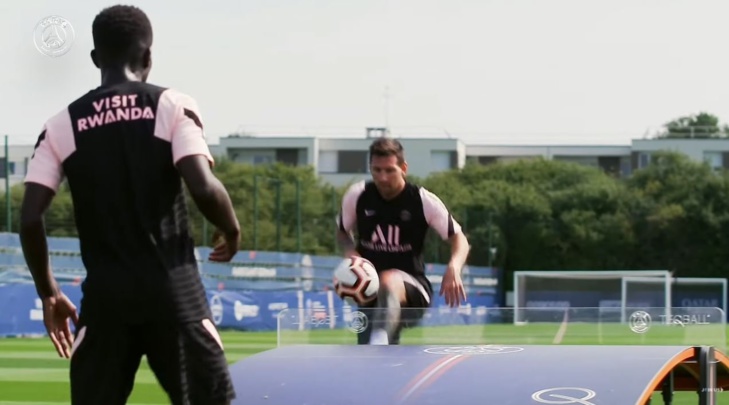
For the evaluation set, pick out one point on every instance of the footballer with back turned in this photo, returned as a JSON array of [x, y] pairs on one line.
[[391, 218], [125, 148]]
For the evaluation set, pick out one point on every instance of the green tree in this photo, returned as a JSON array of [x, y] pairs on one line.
[[682, 218], [701, 125], [537, 214], [272, 211]]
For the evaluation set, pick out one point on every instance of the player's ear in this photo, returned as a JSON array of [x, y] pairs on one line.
[[146, 64], [147, 59], [404, 167], [95, 57]]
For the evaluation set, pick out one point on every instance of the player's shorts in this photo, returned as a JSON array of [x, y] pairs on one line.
[[418, 300], [187, 359]]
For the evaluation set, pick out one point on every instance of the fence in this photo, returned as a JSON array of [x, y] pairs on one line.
[[246, 294]]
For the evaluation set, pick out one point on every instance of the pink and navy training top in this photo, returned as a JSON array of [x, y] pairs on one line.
[[117, 147]]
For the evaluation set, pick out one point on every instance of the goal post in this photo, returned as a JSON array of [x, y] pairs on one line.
[[561, 289], [636, 296]]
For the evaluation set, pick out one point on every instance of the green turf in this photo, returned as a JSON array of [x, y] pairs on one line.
[[32, 373]]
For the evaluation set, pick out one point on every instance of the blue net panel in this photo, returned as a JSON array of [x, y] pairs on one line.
[[249, 270]]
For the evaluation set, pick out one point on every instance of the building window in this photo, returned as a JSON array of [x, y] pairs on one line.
[[487, 160], [609, 164], [328, 161], [262, 159], [644, 159], [288, 156], [352, 161], [625, 167], [714, 159]]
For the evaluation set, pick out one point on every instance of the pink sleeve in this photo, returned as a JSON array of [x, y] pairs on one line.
[[180, 123], [438, 216], [347, 218], [45, 166]]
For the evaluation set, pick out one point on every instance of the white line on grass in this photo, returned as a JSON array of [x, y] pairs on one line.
[[562, 328]]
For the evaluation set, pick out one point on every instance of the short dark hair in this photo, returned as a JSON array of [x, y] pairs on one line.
[[384, 147], [121, 30]]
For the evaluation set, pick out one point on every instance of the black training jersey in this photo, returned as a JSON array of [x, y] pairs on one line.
[[117, 147], [391, 234]]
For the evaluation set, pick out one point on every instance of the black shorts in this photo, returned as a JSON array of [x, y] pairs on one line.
[[410, 314], [187, 359]]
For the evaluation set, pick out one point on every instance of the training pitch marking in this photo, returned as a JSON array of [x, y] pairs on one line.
[[564, 395], [471, 350]]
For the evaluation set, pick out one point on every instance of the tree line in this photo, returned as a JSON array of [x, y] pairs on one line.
[[535, 214]]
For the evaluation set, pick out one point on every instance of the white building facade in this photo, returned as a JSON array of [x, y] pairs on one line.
[[340, 161]]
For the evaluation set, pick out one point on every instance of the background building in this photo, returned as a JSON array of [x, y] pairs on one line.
[[340, 160]]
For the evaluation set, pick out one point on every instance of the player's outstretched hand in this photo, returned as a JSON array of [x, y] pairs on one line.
[[452, 288], [226, 246], [57, 311]]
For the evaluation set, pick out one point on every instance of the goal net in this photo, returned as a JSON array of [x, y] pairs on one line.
[[686, 292], [539, 294]]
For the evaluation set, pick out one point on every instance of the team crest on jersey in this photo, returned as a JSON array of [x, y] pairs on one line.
[[405, 215]]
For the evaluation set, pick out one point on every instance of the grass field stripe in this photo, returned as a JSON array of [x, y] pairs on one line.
[[562, 328], [429, 372], [7, 374], [30, 355], [56, 403]]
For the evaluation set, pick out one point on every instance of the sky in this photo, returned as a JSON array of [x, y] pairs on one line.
[[498, 72]]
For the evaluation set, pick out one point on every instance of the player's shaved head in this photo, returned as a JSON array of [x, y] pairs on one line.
[[386, 147], [122, 34]]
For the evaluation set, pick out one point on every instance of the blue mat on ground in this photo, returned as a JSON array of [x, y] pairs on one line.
[[463, 375]]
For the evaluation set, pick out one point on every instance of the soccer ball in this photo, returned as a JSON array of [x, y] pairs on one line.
[[356, 280]]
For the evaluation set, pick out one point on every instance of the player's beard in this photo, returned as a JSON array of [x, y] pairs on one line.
[[390, 191]]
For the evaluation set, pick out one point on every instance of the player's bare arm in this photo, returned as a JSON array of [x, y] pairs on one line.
[[452, 284], [214, 203], [36, 201], [440, 219], [346, 243], [193, 160], [459, 252], [347, 219], [57, 308], [43, 178]]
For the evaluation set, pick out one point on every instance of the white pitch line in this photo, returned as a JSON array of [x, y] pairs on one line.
[[562, 329]]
